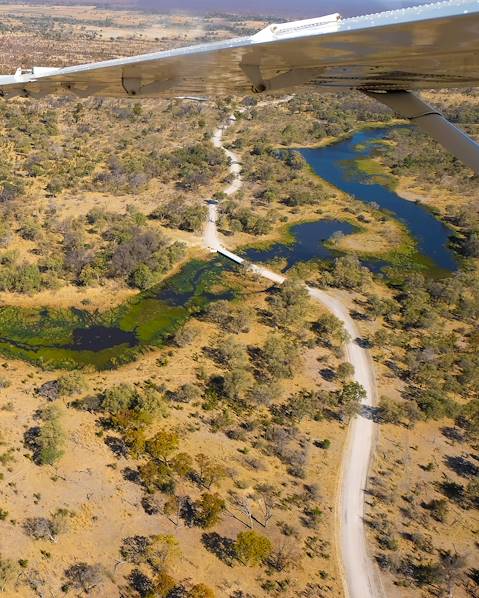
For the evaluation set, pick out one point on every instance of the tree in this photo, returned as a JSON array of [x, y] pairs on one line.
[[142, 277], [236, 383], [252, 548], [232, 354], [157, 476], [280, 356], [82, 576], [267, 498], [173, 507], [345, 370], [40, 528], [71, 383], [286, 556], [51, 439], [390, 411], [163, 584], [186, 393], [163, 444], [289, 306], [453, 564], [438, 508], [231, 317], [350, 398], [244, 505], [186, 335], [265, 393], [163, 551], [182, 464], [348, 273], [331, 330], [210, 471], [209, 509]]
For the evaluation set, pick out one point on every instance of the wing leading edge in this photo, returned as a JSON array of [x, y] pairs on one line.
[[423, 47], [431, 46]]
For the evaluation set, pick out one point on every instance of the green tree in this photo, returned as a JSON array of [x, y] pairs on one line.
[[252, 548], [71, 383], [209, 510], [280, 356], [163, 551], [142, 277], [345, 371], [350, 398], [163, 444], [331, 330], [210, 471], [289, 306], [51, 438]]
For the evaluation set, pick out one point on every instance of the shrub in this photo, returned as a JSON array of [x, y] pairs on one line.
[[200, 590], [82, 576], [186, 393], [119, 398], [71, 383]]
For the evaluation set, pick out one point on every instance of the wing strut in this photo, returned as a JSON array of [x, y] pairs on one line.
[[433, 122]]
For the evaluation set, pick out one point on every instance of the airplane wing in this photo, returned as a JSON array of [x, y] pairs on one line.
[[431, 46], [424, 47]]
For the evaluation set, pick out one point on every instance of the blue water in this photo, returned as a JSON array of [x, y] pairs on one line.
[[308, 243], [333, 164]]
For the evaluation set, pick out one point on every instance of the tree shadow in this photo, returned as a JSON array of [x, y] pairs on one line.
[[327, 374], [364, 343], [132, 475], [117, 446], [31, 442], [223, 548], [462, 466], [452, 434]]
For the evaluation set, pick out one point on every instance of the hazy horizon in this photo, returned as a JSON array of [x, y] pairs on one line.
[[305, 8]]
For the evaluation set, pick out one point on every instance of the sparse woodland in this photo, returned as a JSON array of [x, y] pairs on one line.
[[208, 467]]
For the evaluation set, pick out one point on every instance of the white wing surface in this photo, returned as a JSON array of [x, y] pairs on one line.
[[430, 46]]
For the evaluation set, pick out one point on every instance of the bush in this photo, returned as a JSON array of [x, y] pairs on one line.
[[71, 383], [82, 576], [186, 393], [51, 438], [119, 398]]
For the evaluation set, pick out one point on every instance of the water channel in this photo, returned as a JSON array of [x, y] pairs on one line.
[[71, 338]]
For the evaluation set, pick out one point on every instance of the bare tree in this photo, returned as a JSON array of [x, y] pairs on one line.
[[266, 498], [243, 504]]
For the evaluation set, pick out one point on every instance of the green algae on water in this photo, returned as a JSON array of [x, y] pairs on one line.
[[75, 338]]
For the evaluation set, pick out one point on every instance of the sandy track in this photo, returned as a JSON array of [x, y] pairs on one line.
[[358, 569]]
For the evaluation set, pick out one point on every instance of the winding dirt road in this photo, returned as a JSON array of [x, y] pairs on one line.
[[358, 569]]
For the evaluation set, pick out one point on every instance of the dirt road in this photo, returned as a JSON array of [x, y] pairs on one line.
[[359, 573]]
